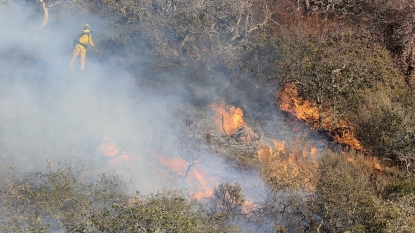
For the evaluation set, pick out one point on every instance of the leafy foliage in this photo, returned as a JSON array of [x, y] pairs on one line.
[[403, 187], [334, 71], [61, 200], [344, 199], [162, 212], [227, 201]]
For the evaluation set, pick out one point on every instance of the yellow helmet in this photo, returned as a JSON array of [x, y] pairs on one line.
[[86, 27]]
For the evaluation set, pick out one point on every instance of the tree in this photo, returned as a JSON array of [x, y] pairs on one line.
[[227, 201], [332, 68]]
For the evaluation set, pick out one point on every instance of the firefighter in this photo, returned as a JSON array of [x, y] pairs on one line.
[[80, 43]]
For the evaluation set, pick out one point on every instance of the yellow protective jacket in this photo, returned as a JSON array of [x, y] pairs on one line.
[[85, 38]]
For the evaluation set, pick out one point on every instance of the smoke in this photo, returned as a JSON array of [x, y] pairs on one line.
[[54, 115], [123, 114], [51, 113]]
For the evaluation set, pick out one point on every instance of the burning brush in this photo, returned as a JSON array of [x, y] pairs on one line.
[[229, 120]]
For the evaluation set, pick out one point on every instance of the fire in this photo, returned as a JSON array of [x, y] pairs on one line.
[[302, 109], [342, 131], [348, 137], [180, 167], [229, 119], [111, 149], [313, 151], [279, 146], [177, 165], [372, 162], [289, 168], [203, 191]]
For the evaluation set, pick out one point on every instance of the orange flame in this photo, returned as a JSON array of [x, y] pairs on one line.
[[229, 119], [307, 110], [313, 151], [302, 109], [372, 162], [180, 166], [111, 149]]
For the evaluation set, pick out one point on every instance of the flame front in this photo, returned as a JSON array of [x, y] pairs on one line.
[[342, 131], [302, 109], [229, 119], [371, 161]]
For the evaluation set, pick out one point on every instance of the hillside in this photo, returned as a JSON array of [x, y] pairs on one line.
[[208, 116]]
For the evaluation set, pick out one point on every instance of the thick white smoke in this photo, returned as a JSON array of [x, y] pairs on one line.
[[53, 114]]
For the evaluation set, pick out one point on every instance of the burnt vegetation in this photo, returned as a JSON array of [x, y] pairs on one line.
[[351, 60]]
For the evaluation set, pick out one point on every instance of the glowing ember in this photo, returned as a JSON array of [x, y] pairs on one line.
[[342, 131], [229, 119], [180, 167]]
